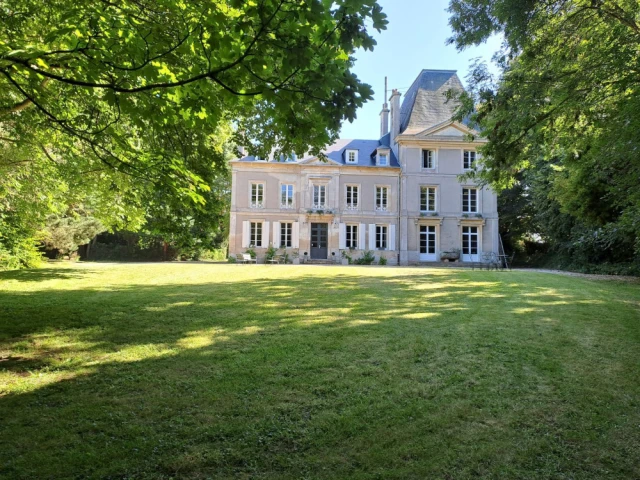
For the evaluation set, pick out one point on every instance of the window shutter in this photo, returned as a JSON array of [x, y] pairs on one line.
[[295, 235], [265, 234], [361, 233], [392, 237], [342, 240], [276, 234], [246, 233], [372, 236]]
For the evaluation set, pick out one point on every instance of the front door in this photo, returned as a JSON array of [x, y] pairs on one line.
[[470, 244], [319, 233], [427, 243]]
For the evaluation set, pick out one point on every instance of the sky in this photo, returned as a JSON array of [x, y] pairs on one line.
[[415, 39]]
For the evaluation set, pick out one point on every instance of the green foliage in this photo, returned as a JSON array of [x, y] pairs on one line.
[[271, 252], [367, 258], [66, 234], [251, 252], [561, 120], [382, 261]]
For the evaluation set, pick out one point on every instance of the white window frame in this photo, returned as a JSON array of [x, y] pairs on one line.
[[386, 155], [293, 192], [253, 234], [435, 198], [256, 203], [466, 208], [382, 236], [284, 226], [433, 159], [347, 156], [381, 208], [322, 187], [351, 239], [352, 206], [472, 162]]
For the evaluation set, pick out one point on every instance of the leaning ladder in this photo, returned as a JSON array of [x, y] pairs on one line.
[[501, 252]]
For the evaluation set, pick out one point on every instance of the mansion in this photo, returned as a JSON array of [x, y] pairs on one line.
[[399, 196]]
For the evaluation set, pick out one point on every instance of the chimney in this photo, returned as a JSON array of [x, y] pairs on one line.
[[395, 118], [384, 114]]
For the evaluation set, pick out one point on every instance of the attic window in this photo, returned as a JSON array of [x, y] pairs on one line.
[[383, 159], [351, 156]]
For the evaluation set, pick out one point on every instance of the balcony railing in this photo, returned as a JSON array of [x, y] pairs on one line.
[[352, 206], [257, 205], [382, 208]]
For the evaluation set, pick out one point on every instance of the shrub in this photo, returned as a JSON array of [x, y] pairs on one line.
[[382, 261], [367, 258]]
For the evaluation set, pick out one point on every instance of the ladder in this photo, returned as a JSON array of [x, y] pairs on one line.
[[501, 253]]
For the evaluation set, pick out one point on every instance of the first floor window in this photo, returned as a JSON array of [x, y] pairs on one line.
[[469, 240], [352, 197], [381, 237], [352, 236], [468, 159], [428, 199], [382, 198], [257, 195], [285, 234], [470, 200], [427, 159], [319, 196], [256, 234], [428, 239], [286, 196]]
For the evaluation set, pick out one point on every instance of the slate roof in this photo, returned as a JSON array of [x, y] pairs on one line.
[[425, 104], [366, 152]]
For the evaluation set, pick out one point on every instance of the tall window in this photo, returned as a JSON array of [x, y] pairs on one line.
[[286, 196], [381, 237], [382, 198], [319, 196], [427, 239], [256, 234], [352, 236], [470, 200], [352, 197], [427, 199], [468, 159], [257, 195], [469, 240], [352, 156], [285, 234], [383, 159], [427, 159]]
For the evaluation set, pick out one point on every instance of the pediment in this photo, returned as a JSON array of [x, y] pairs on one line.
[[447, 129], [317, 161]]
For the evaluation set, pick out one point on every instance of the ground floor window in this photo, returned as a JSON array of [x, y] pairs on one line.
[[381, 237], [256, 234], [469, 240], [352, 236], [286, 230], [428, 239]]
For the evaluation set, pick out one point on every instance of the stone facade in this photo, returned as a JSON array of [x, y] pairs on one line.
[[400, 196]]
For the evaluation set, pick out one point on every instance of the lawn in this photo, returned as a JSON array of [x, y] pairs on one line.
[[200, 371]]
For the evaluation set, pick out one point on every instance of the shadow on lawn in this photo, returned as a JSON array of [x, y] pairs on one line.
[[280, 377]]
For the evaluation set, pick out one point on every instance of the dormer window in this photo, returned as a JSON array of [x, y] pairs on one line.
[[383, 158], [351, 156]]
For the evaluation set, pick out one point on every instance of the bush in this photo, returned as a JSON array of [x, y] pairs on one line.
[[24, 254], [367, 258], [382, 261]]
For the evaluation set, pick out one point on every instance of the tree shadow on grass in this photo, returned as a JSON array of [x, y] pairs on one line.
[[348, 376]]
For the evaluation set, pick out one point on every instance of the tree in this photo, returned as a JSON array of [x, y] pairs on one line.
[[567, 102], [66, 234]]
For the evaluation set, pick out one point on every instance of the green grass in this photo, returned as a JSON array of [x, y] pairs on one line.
[[229, 371]]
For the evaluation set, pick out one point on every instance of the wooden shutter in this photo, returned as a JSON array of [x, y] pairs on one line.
[[342, 240], [392, 237], [246, 234], [295, 235], [361, 236], [276, 234], [372, 236], [265, 234]]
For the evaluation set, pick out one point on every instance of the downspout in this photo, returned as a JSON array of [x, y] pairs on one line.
[[399, 229]]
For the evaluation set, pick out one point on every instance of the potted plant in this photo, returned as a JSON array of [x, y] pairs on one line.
[[295, 257], [450, 256]]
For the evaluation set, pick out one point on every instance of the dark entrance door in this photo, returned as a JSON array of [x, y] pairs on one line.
[[319, 233]]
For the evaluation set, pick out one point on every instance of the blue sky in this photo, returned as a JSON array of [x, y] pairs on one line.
[[415, 39]]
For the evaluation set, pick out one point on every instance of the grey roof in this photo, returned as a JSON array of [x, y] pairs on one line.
[[366, 152], [425, 104]]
